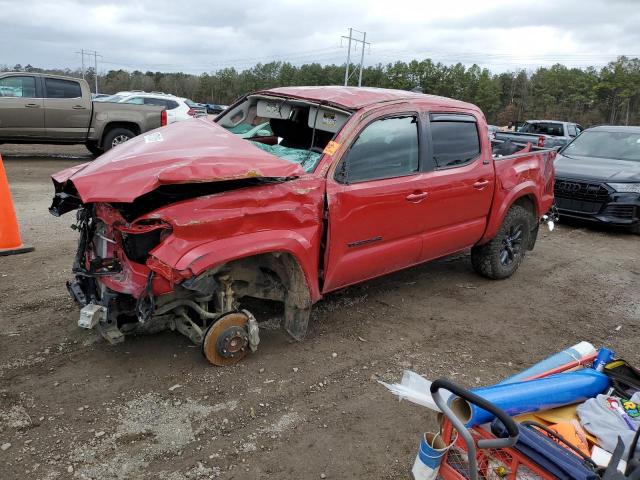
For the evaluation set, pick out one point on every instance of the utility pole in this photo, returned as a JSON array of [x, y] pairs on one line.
[[95, 63], [364, 43], [364, 38], [81, 52], [84, 52], [346, 72]]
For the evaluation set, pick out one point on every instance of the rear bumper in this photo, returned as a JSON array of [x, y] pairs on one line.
[[598, 203]]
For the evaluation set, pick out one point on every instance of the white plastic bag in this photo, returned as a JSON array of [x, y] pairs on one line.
[[415, 388]]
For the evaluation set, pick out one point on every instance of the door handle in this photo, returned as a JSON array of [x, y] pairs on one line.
[[417, 196], [480, 184], [32, 105], [79, 107]]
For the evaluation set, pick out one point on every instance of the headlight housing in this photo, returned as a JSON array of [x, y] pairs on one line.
[[625, 187]]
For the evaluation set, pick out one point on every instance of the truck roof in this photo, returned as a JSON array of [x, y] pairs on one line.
[[42, 74], [355, 98]]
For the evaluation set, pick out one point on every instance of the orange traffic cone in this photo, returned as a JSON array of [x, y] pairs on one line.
[[10, 241]]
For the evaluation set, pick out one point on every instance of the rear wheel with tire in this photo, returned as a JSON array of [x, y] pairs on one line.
[[501, 257], [94, 148], [116, 137]]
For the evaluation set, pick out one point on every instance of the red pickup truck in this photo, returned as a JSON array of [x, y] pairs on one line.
[[334, 186]]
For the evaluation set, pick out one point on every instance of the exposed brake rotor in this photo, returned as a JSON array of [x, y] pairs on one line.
[[226, 342]]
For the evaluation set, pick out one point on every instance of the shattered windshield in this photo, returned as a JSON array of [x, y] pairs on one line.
[[285, 127], [306, 158]]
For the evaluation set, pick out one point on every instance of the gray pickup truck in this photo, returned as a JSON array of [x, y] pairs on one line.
[[41, 108], [543, 133]]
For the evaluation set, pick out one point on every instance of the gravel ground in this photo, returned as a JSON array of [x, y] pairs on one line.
[[72, 406]]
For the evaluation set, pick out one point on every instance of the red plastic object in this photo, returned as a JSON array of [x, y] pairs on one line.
[[498, 464], [584, 361]]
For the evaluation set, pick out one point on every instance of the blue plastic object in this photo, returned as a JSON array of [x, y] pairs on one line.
[[557, 359], [534, 395], [429, 455], [604, 356], [555, 459]]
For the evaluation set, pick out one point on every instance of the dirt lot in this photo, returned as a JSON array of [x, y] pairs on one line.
[[72, 406]]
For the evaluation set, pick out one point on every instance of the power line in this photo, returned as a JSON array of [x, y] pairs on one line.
[[330, 54], [234, 61]]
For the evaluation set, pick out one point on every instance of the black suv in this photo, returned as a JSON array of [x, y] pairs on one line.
[[598, 176]]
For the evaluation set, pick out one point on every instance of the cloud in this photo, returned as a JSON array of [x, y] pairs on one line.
[[199, 35]]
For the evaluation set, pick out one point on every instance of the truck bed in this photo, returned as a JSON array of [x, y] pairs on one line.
[[529, 172]]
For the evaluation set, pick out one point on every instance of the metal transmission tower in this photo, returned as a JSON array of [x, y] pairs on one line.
[[356, 40], [95, 56]]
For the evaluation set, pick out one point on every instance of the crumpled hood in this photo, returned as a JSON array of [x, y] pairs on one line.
[[597, 169], [193, 151]]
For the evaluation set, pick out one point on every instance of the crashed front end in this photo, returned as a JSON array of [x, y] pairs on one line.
[[121, 286], [138, 220]]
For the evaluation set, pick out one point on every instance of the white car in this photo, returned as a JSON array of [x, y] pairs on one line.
[[178, 108]]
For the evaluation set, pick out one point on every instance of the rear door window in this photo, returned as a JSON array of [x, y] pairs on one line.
[[455, 140], [159, 102], [58, 88], [18, 86], [386, 148], [572, 130], [135, 101], [553, 129]]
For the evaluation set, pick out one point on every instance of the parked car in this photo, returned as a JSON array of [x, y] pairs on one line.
[[598, 177], [214, 109], [42, 108], [351, 192], [543, 133], [178, 108]]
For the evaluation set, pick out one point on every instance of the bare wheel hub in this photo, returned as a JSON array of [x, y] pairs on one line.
[[232, 341], [227, 341]]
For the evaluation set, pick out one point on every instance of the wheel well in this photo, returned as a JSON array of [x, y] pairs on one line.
[[272, 276], [128, 125], [528, 204]]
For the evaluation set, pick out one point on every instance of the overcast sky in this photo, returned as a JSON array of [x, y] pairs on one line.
[[197, 35]]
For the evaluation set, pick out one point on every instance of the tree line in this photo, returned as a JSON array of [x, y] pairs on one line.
[[588, 96]]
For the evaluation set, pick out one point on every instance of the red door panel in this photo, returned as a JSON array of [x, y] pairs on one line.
[[457, 208], [374, 228]]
